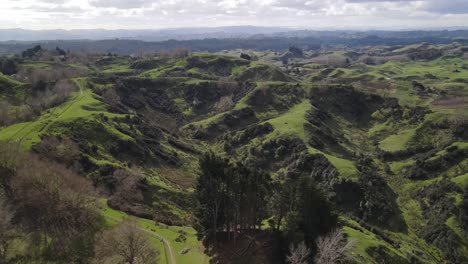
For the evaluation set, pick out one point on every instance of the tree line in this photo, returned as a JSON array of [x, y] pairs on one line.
[[235, 200], [232, 198]]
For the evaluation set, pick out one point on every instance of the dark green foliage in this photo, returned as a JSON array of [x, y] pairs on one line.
[[279, 97], [146, 64], [249, 133], [323, 136], [317, 215], [245, 56], [60, 51], [230, 121], [231, 197], [275, 153], [263, 73], [238, 117], [437, 207], [218, 66], [463, 211], [304, 208], [295, 51], [427, 168], [379, 204], [140, 93], [382, 254], [353, 105], [8, 66], [31, 52]]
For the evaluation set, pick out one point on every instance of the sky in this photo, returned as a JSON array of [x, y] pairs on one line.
[[297, 14]]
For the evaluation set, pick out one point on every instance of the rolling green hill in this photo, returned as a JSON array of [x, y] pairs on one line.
[[387, 142]]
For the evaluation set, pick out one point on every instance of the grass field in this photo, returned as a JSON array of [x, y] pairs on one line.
[[170, 233], [82, 104], [398, 141]]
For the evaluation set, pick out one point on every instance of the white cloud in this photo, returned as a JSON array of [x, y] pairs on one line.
[[148, 14]]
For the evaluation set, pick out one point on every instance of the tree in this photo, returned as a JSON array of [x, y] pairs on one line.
[[125, 244], [11, 155], [245, 56], [60, 51], [331, 248], [227, 85], [180, 53], [210, 192], [463, 211], [57, 207], [32, 51], [111, 97], [8, 66], [5, 115], [295, 51], [7, 233], [62, 90], [298, 254], [307, 213], [231, 197]]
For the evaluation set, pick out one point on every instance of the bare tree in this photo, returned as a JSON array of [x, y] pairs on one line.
[[225, 103], [180, 53], [123, 244], [298, 254], [5, 115], [111, 97], [62, 150], [331, 248], [62, 89], [7, 233], [11, 154], [227, 85], [127, 186], [55, 204]]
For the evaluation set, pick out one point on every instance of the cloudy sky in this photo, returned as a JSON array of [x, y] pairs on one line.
[[157, 14]]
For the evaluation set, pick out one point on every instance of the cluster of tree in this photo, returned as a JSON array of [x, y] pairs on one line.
[[51, 205], [463, 211], [8, 66], [437, 206], [52, 210], [37, 52], [31, 51], [300, 209], [49, 74], [295, 51], [429, 167], [177, 53], [245, 56], [10, 114], [234, 199], [39, 97], [231, 198]]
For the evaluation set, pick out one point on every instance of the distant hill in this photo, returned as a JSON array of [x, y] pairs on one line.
[[126, 42], [147, 35]]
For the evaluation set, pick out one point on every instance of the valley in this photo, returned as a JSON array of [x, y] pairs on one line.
[[379, 132]]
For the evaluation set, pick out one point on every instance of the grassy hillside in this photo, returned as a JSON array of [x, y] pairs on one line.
[[386, 142]]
